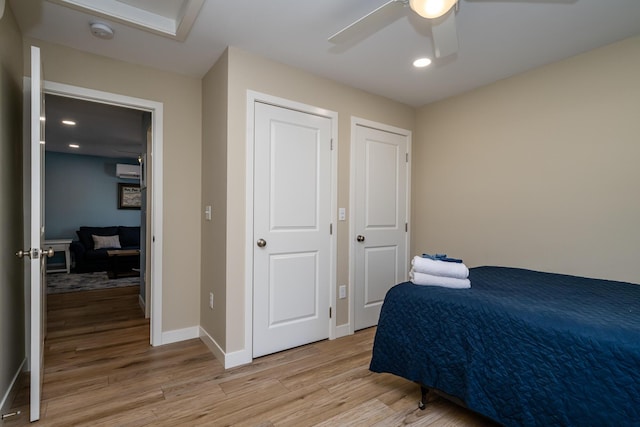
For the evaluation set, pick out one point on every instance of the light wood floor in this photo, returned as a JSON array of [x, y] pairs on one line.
[[101, 371]]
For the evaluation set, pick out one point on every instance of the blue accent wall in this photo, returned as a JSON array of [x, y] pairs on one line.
[[83, 190]]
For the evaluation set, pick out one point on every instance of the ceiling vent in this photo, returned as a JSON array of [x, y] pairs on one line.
[[128, 171]]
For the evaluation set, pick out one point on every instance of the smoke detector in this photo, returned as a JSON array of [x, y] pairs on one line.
[[101, 30]]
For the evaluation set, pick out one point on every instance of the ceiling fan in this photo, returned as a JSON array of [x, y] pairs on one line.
[[440, 12]]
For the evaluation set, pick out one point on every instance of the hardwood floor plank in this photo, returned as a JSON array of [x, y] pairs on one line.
[[325, 371], [101, 371], [265, 409], [371, 411]]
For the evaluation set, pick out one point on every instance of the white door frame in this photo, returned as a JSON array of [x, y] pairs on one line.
[[357, 121], [252, 98], [156, 109]]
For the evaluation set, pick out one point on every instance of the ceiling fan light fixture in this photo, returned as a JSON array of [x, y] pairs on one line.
[[431, 9]]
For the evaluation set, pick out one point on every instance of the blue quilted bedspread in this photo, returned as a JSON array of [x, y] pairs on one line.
[[522, 347]]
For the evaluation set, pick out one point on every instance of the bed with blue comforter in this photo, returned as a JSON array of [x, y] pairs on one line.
[[522, 347]]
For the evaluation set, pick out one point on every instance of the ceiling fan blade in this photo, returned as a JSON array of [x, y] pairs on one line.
[[445, 35], [370, 23]]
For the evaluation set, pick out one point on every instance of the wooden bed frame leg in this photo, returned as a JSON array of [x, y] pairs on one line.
[[423, 397]]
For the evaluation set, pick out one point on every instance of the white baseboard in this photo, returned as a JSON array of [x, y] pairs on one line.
[[228, 360], [212, 345], [343, 330], [11, 392], [237, 358], [178, 335]]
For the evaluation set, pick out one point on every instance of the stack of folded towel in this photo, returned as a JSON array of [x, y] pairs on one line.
[[439, 270]]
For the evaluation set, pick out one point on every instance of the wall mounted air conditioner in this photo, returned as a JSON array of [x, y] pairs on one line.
[[128, 171]]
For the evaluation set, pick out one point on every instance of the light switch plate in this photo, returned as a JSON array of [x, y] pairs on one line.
[[342, 214], [342, 291]]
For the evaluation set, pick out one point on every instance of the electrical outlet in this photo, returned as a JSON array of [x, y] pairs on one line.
[[342, 291], [210, 299]]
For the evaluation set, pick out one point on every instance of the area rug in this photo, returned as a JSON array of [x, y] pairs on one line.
[[58, 283]]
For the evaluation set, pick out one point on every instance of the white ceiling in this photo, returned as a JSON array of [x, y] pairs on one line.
[[498, 38], [166, 8]]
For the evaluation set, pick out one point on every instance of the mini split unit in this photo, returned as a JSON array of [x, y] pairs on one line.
[[128, 171]]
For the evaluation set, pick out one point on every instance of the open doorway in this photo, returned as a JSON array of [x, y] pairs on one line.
[[95, 198], [148, 158]]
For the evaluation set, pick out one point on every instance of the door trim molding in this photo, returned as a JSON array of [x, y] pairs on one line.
[[355, 122], [156, 109], [252, 98]]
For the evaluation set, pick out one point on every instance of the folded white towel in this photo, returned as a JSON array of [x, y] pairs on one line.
[[445, 282], [456, 270]]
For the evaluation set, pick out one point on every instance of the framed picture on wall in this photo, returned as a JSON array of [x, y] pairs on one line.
[[129, 196]]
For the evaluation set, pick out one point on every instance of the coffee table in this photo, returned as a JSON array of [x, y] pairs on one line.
[[116, 256]]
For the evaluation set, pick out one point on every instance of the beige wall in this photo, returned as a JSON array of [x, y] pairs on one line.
[[182, 148], [537, 171], [12, 332], [214, 194], [248, 71]]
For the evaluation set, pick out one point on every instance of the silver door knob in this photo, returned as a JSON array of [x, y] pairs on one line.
[[360, 238], [21, 254], [261, 243], [27, 253]]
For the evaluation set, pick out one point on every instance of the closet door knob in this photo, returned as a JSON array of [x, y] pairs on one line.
[[360, 238], [261, 243]]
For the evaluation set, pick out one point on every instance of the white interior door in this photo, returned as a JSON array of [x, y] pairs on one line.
[[380, 218], [35, 275], [292, 220]]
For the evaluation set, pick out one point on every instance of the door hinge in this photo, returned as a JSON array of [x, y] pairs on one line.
[[406, 157], [406, 227], [330, 313], [331, 229], [331, 144]]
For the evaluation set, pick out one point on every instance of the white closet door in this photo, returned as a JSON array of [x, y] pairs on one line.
[[292, 202]]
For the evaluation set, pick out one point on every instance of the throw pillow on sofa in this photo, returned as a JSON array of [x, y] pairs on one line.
[[85, 233], [106, 242]]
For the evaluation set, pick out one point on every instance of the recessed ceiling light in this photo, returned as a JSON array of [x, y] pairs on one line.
[[421, 62], [69, 122], [74, 146]]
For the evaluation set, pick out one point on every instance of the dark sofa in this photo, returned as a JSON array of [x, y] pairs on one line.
[[89, 259]]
